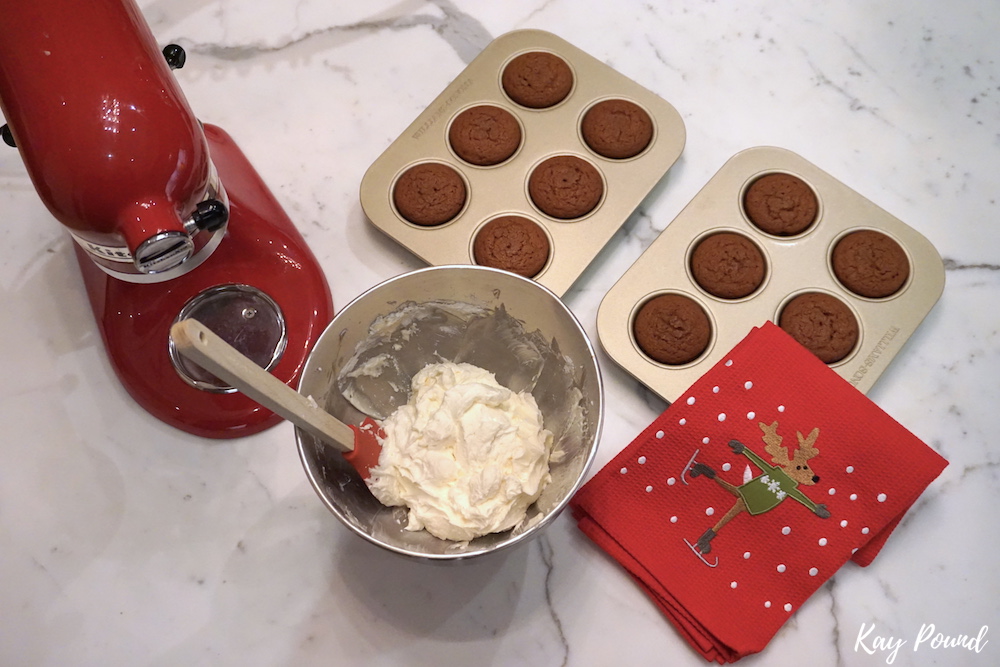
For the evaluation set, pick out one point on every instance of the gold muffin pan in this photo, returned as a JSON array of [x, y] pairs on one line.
[[795, 265], [502, 189]]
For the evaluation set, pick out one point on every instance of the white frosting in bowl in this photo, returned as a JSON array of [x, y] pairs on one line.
[[466, 455]]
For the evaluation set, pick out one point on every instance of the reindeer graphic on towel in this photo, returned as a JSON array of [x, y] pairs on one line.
[[769, 489]]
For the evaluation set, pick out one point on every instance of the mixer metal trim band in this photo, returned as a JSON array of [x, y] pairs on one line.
[[122, 256], [106, 252]]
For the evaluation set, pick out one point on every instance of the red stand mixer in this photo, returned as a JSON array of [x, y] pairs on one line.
[[169, 218]]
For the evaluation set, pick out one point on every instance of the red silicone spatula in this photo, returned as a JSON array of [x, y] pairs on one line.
[[358, 444]]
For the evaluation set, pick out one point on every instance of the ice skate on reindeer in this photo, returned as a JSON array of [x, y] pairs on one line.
[[767, 490]]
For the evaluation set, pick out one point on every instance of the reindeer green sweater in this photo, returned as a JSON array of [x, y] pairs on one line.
[[766, 491]]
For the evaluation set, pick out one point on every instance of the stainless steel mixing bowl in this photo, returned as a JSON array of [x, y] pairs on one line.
[[509, 325]]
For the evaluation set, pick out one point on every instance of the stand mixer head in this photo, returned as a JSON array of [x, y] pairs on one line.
[[170, 219], [109, 141]]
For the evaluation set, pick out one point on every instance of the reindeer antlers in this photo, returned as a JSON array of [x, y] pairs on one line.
[[772, 443], [806, 448], [779, 454]]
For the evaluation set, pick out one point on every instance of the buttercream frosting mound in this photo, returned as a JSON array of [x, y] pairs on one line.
[[466, 455]]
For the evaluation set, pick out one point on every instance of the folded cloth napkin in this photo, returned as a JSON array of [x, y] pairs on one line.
[[751, 490]]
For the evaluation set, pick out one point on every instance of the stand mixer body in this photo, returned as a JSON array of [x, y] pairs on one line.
[[170, 219]]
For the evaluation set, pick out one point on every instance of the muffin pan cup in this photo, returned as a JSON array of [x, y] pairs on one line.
[[795, 265], [502, 189]]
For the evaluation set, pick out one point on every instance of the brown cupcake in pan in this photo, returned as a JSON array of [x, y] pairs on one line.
[[822, 323], [617, 129], [728, 265], [429, 194], [565, 187], [780, 204], [672, 329], [870, 264], [484, 135], [537, 79], [512, 243]]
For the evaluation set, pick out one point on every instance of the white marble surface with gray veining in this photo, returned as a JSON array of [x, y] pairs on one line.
[[125, 542]]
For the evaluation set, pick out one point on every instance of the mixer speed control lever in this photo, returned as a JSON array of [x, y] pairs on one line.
[[209, 215], [174, 55]]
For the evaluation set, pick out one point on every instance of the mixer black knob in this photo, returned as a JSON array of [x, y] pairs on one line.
[[8, 138], [174, 55], [210, 215]]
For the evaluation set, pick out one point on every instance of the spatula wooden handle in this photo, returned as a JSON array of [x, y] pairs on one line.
[[201, 345]]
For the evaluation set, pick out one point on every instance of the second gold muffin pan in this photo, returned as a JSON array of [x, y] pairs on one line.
[[502, 189], [795, 265]]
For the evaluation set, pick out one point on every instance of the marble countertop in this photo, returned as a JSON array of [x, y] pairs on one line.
[[126, 542]]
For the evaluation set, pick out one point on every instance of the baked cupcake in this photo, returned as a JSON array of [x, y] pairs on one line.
[[728, 265], [537, 79], [617, 129], [484, 135], [780, 204], [565, 187], [429, 194], [512, 243], [821, 323], [672, 329], [870, 264]]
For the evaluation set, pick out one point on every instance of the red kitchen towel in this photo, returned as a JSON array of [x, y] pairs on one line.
[[751, 490]]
